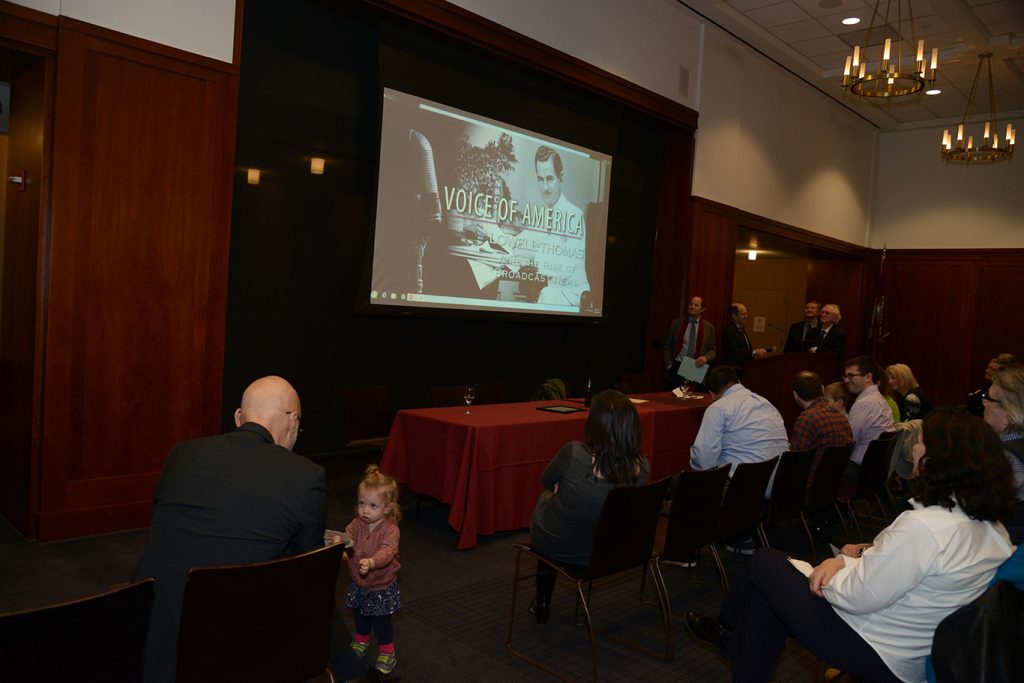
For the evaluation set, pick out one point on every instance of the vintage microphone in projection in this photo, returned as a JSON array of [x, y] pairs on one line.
[[428, 200]]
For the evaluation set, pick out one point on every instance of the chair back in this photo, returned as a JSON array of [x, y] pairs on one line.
[[267, 621], [741, 507], [624, 537], [874, 468], [98, 638], [489, 394], [369, 414], [443, 397], [696, 506], [790, 486], [828, 477]]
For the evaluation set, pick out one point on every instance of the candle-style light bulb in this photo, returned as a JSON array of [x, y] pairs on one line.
[[920, 50], [856, 56], [960, 133], [987, 125], [846, 69], [886, 49], [935, 58]]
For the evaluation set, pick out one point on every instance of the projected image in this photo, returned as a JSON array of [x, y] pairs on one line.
[[476, 214]]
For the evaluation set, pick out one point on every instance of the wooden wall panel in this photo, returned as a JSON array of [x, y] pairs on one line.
[[671, 245], [711, 259], [948, 312], [144, 147]]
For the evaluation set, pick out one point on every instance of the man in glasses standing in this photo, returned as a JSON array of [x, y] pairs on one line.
[[870, 415]]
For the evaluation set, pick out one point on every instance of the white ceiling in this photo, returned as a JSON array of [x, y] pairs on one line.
[[808, 38]]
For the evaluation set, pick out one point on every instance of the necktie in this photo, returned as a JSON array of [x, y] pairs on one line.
[[691, 342]]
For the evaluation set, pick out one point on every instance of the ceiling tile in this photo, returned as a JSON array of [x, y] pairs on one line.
[[845, 7], [819, 46], [776, 15], [1006, 10], [801, 30], [746, 5]]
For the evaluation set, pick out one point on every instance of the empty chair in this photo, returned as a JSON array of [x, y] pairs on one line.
[[788, 490], [263, 622], [623, 539], [874, 470], [441, 397], [489, 394], [98, 638], [741, 506], [824, 488], [692, 522]]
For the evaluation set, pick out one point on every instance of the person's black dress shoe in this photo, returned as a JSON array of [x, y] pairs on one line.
[[710, 630], [541, 610]]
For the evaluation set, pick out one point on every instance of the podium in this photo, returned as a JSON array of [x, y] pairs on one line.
[[771, 377]]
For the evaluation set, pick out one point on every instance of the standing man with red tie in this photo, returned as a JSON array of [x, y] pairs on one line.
[[695, 339], [736, 346]]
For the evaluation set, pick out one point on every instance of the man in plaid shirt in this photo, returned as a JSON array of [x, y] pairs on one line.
[[820, 424]]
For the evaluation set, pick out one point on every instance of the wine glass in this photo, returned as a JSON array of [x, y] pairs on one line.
[[468, 394], [685, 386]]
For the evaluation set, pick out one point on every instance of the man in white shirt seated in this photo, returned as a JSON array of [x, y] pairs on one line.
[[870, 415], [739, 426]]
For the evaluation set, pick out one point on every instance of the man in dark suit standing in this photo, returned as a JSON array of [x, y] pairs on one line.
[[236, 498], [831, 339], [736, 346], [804, 334]]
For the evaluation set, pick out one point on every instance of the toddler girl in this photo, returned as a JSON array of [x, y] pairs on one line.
[[373, 564]]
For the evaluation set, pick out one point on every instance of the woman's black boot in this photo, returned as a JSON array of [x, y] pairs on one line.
[[540, 608]]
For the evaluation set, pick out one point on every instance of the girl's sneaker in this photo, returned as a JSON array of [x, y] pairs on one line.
[[358, 648], [386, 663]]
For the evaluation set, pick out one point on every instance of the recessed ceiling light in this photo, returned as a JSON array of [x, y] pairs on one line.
[[851, 21], [933, 91]]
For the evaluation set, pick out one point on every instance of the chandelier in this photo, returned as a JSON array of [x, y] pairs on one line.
[[989, 149], [890, 77]]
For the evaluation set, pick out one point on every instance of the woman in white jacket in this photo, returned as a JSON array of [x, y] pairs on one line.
[[873, 609]]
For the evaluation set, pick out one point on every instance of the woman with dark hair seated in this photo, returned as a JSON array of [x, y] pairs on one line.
[[872, 610], [576, 483]]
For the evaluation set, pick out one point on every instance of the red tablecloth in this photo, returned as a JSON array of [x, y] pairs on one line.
[[488, 465]]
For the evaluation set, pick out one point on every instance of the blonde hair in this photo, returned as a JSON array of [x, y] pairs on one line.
[[903, 375], [376, 481], [837, 392]]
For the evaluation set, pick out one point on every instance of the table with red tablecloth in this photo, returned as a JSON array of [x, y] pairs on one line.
[[487, 465]]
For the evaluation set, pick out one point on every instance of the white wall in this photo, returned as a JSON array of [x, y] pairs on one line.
[[643, 41], [205, 27], [813, 171], [770, 144], [921, 202]]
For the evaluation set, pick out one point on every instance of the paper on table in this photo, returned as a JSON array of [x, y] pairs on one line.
[[638, 400], [804, 568], [688, 369]]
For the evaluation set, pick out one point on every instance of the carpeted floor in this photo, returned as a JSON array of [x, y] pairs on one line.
[[454, 625]]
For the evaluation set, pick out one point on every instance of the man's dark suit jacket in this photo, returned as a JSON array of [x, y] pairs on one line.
[[833, 342], [736, 347], [793, 341], [707, 347], [229, 499]]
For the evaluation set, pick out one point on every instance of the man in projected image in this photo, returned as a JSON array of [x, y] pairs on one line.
[[557, 236]]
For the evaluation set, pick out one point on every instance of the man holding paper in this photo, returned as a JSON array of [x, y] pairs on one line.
[[695, 340]]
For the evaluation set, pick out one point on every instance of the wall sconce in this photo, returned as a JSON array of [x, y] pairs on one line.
[[253, 176], [316, 166], [752, 255]]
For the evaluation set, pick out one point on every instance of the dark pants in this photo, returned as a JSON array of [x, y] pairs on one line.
[[546, 576], [346, 664], [771, 601], [380, 625]]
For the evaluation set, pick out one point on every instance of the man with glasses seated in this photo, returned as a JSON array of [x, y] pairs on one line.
[[870, 415]]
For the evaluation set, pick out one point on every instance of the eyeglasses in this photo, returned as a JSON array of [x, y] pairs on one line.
[[986, 397], [851, 375]]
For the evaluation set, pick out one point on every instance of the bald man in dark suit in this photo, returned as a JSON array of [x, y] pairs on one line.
[[236, 498]]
